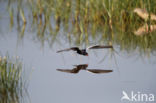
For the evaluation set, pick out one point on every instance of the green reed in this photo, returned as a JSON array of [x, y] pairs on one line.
[[11, 80], [86, 21]]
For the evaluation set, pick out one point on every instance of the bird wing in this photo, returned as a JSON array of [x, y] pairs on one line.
[[68, 70], [98, 71], [68, 49], [64, 70], [100, 47]]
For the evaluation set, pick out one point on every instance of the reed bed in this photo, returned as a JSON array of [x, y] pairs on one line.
[[11, 80], [87, 21]]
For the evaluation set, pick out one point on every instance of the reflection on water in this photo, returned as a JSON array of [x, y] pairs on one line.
[[56, 24], [84, 23], [77, 68], [12, 81], [99, 71], [145, 30]]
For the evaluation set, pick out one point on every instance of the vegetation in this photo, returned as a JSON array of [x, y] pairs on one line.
[[11, 80], [83, 22], [80, 22]]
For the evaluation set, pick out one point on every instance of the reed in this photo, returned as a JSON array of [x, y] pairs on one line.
[[11, 80], [87, 21]]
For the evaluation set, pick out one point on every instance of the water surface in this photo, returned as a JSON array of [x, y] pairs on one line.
[[132, 70]]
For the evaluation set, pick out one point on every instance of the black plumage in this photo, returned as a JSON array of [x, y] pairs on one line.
[[77, 68], [84, 51]]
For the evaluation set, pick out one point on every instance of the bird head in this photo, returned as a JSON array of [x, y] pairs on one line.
[[86, 54]]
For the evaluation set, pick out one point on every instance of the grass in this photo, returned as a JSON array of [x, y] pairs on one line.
[[11, 80], [86, 21]]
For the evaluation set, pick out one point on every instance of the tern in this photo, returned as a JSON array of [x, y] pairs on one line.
[[77, 68], [84, 51]]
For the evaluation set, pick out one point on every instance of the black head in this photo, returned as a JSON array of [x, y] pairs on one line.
[[84, 52]]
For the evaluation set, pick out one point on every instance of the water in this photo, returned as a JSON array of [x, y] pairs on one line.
[[49, 85], [131, 72]]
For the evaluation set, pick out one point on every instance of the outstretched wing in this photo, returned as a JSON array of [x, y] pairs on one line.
[[68, 49], [75, 70], [100, 47], [98, 71], [65, 70]]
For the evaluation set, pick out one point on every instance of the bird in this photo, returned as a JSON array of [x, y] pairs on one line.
[[79, 67], [84, 51], [76, 69], [144, 14], [145, 29]]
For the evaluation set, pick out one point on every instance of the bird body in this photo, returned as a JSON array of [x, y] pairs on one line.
[[84, 51]]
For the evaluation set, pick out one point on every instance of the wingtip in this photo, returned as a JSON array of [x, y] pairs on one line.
[[58, 69], [57, 51]]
